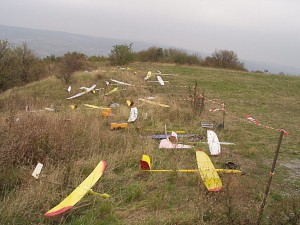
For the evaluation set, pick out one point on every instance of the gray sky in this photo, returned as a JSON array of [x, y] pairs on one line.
[[260, 30]]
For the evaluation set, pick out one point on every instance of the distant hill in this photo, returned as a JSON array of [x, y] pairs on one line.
[[45, 43], [271, 67]]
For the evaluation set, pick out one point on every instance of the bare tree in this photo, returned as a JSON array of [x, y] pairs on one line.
[[225, 59], [70, 63]]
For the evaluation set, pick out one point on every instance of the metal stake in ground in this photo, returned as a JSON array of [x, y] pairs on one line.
[[282, 132]]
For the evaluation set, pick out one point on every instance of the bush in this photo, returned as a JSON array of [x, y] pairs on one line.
[[224, 59], [153, 54], [121, 54], [18, 66], [69, 64]]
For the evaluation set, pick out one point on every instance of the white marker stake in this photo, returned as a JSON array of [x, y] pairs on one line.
[[37, 170]]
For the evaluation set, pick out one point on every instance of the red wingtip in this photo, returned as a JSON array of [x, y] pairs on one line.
[[104, 166], [144, 165], [58, 211], [215, 189]]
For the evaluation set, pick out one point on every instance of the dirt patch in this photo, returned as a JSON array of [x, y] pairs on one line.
[[294, 167]]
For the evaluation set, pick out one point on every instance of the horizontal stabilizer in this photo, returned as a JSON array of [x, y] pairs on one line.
[[145, 163]]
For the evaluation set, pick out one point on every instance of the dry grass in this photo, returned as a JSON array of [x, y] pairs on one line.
[[70, 143]]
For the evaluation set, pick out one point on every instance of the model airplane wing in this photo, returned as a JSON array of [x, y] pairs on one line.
[[164, 136], [79, 192], [153, 103], [112, 91], [165, 143], [213, 143], [77, 95], [86, 90], [206, 169], [96, 107], [120, 82], [208, 172]]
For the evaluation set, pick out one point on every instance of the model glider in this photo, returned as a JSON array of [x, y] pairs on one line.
[[118, 125], [27, 109], [96, 107], [214, 143], [124, 68], [80, 191], [87, 90], [50, 109], [153, 103], [112, 91], [133, 115], [206, 170], [165, 143], [165, 136], [160, 80], [120, 82]]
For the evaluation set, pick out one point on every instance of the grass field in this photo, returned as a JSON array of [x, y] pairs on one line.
[[70, 143]]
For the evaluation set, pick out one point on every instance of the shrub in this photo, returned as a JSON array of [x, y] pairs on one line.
[[224, 59], [69, 64], [121, 54]]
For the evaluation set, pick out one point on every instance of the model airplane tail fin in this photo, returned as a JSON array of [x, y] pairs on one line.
[[145, 163]]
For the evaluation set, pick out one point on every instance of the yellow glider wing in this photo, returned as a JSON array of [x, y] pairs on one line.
[[96, 107], [112, 91], [208, 172], [79, 192]]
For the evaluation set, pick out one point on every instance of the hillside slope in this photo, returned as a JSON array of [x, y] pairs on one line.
[[70, 143]]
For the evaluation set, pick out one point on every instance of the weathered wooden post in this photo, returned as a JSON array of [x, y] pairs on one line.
[[223, 109], [202, 98], [262, 206]]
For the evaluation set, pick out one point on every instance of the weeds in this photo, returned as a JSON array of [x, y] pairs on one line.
[[71, 142]]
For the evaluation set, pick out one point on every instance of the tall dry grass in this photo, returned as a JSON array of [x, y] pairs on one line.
[[70, 143]]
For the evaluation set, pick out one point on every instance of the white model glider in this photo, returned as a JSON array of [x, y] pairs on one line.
[[86, 90], [120, 82]]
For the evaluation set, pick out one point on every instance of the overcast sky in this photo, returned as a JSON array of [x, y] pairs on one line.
[[260, 30]]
